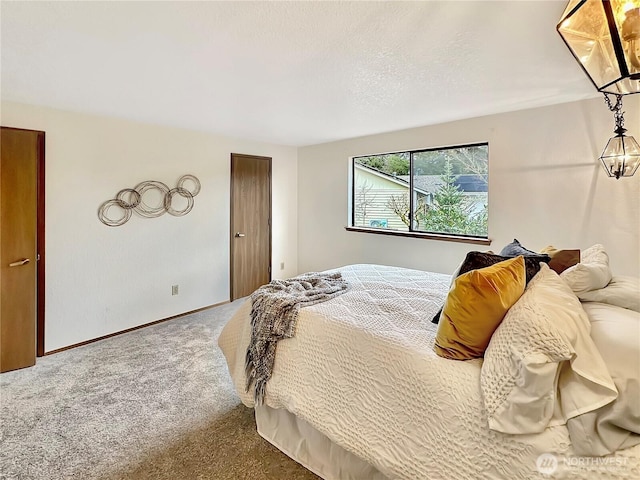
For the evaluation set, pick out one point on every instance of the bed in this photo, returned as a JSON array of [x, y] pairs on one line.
[[358, 393]]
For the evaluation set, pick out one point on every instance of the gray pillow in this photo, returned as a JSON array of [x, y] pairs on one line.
[[515, 248]]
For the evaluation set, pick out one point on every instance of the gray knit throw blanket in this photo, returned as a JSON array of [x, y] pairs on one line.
[[274, 314]]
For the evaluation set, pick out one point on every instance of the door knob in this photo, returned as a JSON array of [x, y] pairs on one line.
[[238, 234], [19, 263]]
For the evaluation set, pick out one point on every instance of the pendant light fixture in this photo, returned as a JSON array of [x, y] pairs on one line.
[[604, 37], [621, 156]]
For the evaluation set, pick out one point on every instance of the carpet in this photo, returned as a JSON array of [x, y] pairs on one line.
[[155, 403]]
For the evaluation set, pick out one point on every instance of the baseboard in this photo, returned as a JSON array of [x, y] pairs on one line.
[[87, 342]]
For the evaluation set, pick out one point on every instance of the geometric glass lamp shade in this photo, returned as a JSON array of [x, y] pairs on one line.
[[621, 156], [604, 37]]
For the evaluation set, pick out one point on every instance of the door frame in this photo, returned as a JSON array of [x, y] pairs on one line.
[[40, 237], [231, 224], [40, 242]]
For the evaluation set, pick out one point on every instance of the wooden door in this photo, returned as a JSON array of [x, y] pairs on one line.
[[20, 152], [250, 223]]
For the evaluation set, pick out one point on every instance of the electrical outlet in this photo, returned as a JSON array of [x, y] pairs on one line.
[[281, 265], [174, 289]]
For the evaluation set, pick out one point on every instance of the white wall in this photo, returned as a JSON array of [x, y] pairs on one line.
[[545, 187], [100, 279]]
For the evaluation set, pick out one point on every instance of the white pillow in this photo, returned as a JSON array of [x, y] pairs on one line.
[[616, 333], [541, 367], [591, 273], [621, 291]]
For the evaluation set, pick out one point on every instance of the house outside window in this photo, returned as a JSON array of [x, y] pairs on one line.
[[440, 191]]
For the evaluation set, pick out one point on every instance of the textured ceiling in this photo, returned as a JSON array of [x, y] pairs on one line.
[[293, 73]]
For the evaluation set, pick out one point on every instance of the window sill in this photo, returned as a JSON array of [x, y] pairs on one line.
[[427, 236]]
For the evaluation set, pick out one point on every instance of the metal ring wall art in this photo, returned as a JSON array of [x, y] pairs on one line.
[[139, 200]]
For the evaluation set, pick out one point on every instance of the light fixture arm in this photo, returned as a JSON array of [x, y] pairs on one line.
[[618, 114]]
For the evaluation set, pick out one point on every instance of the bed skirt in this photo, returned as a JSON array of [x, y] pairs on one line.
[[310, 448]]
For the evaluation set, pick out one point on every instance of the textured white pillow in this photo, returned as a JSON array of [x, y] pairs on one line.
[[541, 367], [591, 273], [621, 291]]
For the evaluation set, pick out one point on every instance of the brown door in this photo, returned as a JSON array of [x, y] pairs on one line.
[[20, 152], [250, 223]]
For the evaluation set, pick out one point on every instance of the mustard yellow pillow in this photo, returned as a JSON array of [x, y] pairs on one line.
[[475, 306], [550, 250]]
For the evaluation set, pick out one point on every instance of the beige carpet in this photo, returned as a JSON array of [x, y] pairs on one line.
[[156, 403]]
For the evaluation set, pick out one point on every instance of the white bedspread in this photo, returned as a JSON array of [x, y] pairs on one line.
[[361, 369]]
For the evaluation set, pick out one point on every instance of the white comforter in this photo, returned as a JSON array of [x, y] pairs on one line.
[[361, 370]]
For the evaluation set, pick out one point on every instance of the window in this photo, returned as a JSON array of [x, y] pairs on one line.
[[440, 191]]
